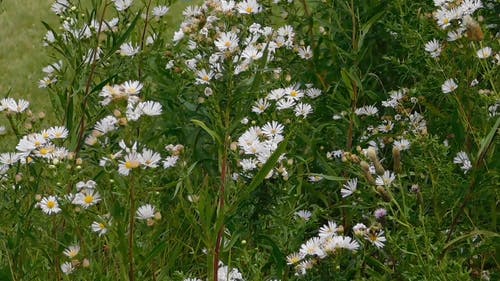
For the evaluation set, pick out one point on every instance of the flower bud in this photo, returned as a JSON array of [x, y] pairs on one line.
[[157, 216], [396, 156], [366, 171]]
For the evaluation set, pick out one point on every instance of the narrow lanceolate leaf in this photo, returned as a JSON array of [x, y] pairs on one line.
[[266, 168], [327, 177], [211, 132], [367, 26], [487, 142], [484, 233]]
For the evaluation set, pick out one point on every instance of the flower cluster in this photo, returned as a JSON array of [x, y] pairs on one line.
[[215, 48], [10, 105], [288, 98], [129, 158], [331, 241], [259, 143], [135, 108], [51, 71], [37, 146], [71, 252], [449, 14]]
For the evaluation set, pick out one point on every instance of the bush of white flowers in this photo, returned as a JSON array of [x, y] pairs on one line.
[[257, 140]]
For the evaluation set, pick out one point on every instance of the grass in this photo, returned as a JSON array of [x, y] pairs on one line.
[[22, 55]]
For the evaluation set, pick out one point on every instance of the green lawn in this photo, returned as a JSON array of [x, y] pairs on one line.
[[21, 54]]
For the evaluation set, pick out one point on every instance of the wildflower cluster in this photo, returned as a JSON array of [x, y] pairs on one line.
[[330, 242], [216, 46], [187, 157]]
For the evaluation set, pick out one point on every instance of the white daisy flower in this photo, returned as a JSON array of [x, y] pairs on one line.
[[122, 5], [11, 105], [128, 50], [273, 128], [313, 93], [86, 198], [312, 247], [260, 106], [67, 268], [107, 124], [433, 47], [294, 258], [9, 158], [149, 158], [145, 212], [46, 82], [368, 110], [303, 109], [49, 38], [131, 161], [402, 144], [99, 227], [449, 86], [49, 205], [376, 238], [386, 179], [227, 41], [72, 251], [60, 6], [305, 52], [462, 159], [484, 53], [349, 188], [160, 11], [170, 161], [204, 76], [58, 132], [248, 7], [328, 230], [150, 108], [303, 214], [359, 229]]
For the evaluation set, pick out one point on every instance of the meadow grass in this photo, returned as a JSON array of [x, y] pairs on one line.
[[22, 54]]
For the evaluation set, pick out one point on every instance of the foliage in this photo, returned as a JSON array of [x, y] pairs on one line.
[[270, 140]]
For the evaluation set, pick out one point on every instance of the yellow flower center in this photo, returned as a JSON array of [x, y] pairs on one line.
[[44, 151], [88, 199], [249, 10], [227, 44], [294, 93], [102, 226], [131, 164], [51, 204]]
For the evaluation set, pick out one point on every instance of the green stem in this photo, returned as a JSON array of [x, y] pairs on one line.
[[146, 21], [81, 126], [131, 272]]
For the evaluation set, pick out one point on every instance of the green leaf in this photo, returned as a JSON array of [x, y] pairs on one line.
[[124, 36], [470, 234], [327, 177], [487, 142], [211, 132], [367, 26], [268, 166]]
